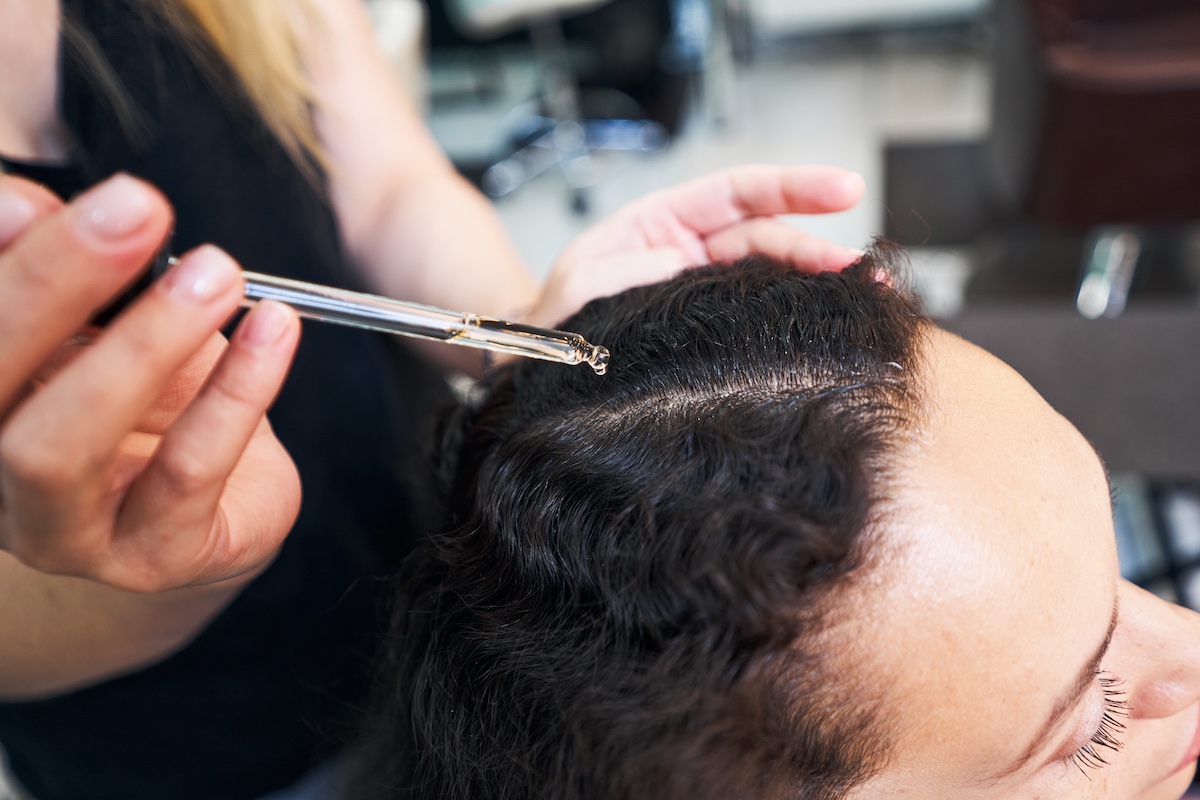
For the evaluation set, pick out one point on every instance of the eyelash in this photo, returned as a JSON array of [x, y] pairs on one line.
[[1111, 727]]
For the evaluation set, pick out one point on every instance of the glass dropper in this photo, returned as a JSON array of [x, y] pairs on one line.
[[360, 310]]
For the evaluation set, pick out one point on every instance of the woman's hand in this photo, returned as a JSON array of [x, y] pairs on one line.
[[720, 217], [142, 460]]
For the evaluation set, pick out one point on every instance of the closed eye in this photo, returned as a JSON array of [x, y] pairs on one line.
[[1107, 737]]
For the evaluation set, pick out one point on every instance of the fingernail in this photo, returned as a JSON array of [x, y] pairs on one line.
[[15, 215], [201, 275], [265, 324], [115, 208]]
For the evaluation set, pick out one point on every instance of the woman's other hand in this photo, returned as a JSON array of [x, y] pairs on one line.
[[142, 461], [719, 217]]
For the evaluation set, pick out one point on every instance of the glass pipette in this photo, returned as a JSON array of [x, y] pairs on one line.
[[360, 310]]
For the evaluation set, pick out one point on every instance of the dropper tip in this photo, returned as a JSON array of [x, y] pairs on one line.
[[598, 359]]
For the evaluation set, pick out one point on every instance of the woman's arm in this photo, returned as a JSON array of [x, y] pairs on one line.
[[415, 228]]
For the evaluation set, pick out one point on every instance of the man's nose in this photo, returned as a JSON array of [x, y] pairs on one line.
[[1160, 646]]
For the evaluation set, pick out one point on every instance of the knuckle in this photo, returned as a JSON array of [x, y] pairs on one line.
[[144, 347], [186, 471], [32, 461], [33, 272], [240, 390]]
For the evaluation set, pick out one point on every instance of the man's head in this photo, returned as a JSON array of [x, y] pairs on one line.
[[640, 567], [797, 543]]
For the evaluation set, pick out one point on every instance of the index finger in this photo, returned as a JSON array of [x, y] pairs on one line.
[[716, 201], [66, 264]]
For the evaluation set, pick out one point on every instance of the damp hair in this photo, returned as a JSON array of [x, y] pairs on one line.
[[633, 594]]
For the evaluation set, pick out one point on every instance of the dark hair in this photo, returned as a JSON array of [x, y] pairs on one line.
[[631, 595]]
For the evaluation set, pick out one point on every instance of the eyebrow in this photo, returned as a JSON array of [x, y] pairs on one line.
[[1083, 681]]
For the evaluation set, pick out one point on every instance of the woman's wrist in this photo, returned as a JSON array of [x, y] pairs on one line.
[[64, 633]]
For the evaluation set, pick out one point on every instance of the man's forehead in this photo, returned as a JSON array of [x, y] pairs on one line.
[[977, 611]]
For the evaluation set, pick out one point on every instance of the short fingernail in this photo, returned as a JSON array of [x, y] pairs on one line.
[[201, 275], [115, 208], [15, 215], [265, 324]]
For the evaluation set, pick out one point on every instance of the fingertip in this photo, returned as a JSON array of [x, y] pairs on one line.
[[117, 210], [269, 324], [42, 199], [822, 189], [837, 258], [202, 275], [22, 202], [17, 213], [851, 188], [834, 188]]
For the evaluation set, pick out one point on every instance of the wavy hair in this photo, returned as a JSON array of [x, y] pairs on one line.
[[633, 592]]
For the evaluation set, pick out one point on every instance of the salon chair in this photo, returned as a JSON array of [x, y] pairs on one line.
[[553, 131], [1096, 126]]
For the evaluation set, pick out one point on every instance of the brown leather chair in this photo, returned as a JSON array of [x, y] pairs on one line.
[[1096, 127], [1097, 110]]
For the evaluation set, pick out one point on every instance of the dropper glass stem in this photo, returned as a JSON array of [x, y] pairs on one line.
[[360, 310]]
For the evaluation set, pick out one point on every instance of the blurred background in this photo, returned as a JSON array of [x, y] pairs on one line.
[[1040, 158]]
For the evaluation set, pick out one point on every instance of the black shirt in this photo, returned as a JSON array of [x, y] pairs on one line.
[[274, 683]]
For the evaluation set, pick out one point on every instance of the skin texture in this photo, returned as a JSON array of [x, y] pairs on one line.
[[999, 589]]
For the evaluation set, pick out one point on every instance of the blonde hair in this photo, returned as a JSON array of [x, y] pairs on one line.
[[244, 48], [256, 40]]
